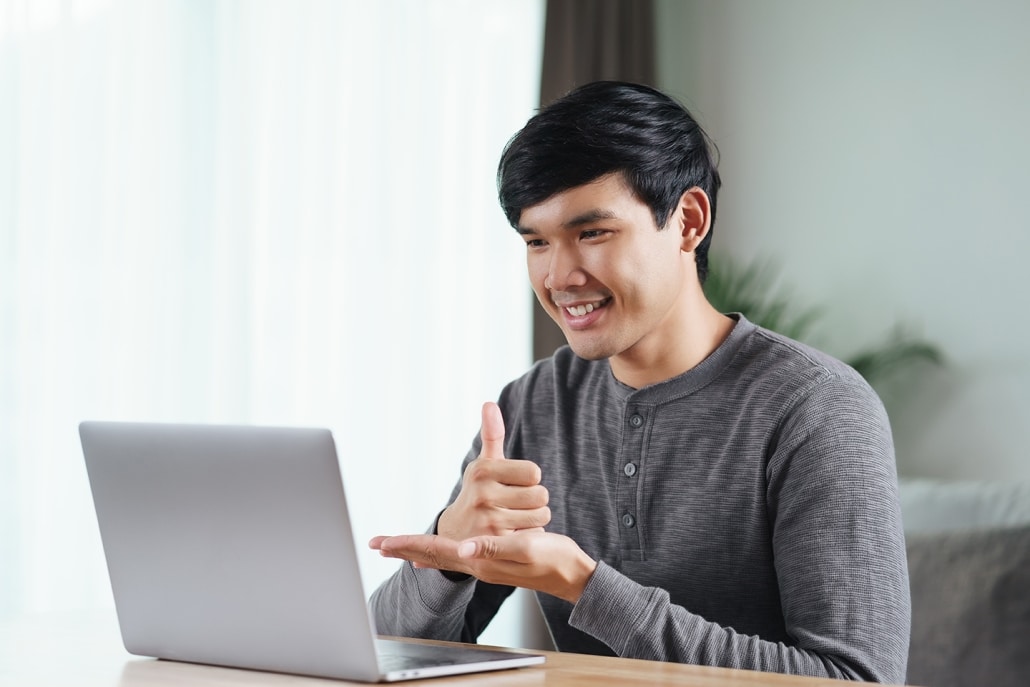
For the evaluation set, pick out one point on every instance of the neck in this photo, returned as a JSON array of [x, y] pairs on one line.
[[697, 336]]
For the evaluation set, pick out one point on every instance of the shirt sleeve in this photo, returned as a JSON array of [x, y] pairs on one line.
[[840, 559], [421, 603], [427, 604]]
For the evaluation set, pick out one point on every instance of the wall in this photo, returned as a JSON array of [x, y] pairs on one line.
[[878, 152]]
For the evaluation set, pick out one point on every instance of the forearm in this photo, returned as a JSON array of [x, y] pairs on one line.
[[421, 603], [660, 630]]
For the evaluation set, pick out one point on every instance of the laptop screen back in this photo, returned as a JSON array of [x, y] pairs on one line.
[[230, 545]]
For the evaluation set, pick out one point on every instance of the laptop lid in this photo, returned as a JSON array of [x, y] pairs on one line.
[[232, 545]]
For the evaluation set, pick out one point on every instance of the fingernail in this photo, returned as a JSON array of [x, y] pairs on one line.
[[467, 549]]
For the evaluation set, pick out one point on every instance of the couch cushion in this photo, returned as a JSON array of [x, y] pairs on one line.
[[936, 505], [970, 607]]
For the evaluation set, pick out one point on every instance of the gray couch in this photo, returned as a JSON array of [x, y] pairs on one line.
[[969, 570]]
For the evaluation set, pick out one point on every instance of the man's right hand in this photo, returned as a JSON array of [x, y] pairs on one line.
[[498, 496]]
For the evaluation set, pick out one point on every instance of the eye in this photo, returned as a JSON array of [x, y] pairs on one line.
[[535, 243], [593, 233]]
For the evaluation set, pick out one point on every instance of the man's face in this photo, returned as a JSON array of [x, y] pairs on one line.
[[604, 272]]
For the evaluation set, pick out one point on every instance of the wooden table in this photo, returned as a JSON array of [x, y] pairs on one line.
[[85, 650]]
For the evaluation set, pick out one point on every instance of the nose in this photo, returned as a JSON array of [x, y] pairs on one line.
[[564, 270]]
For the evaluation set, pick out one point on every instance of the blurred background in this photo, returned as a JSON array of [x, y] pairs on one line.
[[252, 211], [261, 211], [877, 152]]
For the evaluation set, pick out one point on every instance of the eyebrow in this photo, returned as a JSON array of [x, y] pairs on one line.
[[588, 217]]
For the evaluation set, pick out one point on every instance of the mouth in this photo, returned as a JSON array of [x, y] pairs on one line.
[[581, 310], [580, 315]]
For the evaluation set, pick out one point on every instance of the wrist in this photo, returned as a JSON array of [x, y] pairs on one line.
[[582, 570]]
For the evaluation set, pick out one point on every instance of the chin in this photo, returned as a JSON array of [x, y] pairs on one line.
[[589, 351]]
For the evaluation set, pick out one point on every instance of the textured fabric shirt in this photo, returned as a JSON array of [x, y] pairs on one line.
[[744, 514]]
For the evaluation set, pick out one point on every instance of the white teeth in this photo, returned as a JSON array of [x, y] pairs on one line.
[[580, 310]]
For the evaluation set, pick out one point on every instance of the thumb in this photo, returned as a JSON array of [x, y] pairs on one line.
[[480, 547], [491, 432]]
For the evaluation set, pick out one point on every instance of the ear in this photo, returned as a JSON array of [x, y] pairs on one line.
[[693, 218]]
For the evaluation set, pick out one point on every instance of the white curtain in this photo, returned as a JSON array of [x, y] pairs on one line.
[[252, 211]]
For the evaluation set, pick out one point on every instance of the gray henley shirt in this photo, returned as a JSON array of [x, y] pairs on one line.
[[744, 514]]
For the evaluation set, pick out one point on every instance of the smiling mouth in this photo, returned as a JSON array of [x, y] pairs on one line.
[[583, 309], [580, 310]]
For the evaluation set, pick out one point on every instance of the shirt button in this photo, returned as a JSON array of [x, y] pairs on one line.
[[628, 520], [635, 420], [630, 469]]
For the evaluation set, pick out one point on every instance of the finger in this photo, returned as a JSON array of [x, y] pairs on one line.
[[404, 542], [423, 550], [492, 432], [505, 547], [526, 497], [515, 473], [376, 542], [508, 521]]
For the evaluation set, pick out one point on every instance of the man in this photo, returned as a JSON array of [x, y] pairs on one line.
[[690, 487]]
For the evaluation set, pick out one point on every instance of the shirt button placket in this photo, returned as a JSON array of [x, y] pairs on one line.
[[628, 519]]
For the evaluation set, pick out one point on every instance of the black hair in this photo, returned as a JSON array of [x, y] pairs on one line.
[[609, 127]]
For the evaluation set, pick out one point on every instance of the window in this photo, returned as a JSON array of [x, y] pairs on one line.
[[252, 211]]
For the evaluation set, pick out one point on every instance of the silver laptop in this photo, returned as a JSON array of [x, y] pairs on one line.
[[231, 545]]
